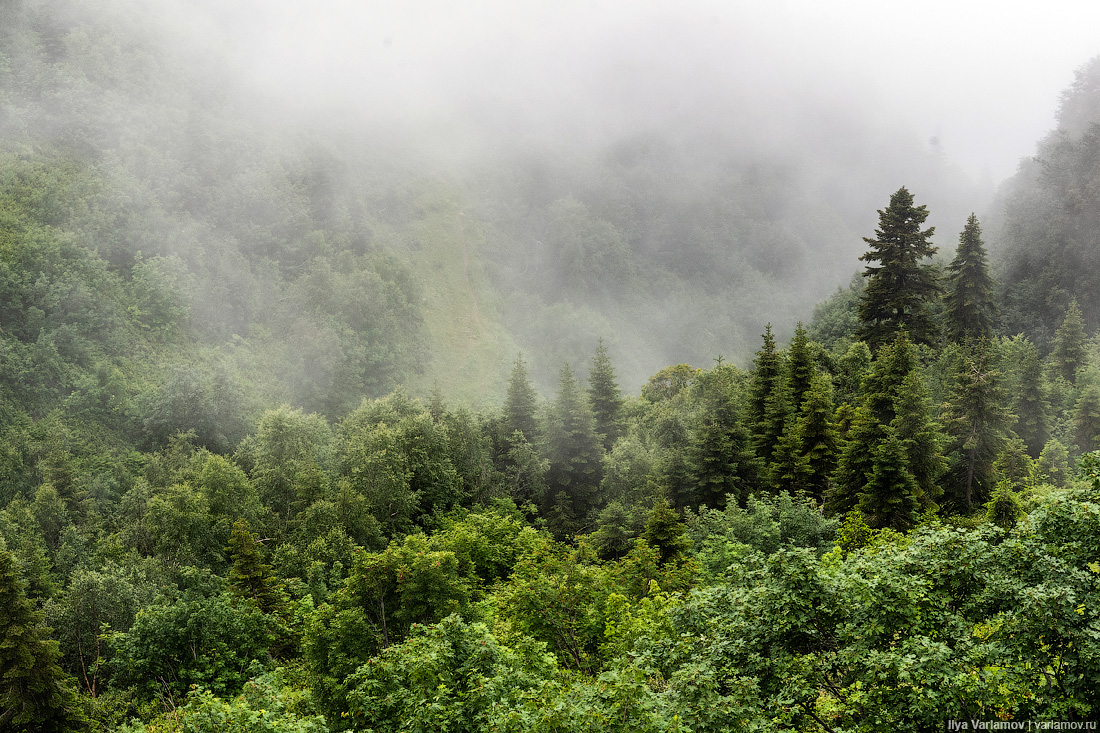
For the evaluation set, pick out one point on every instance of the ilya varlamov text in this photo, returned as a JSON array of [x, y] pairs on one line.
[[953, 725]]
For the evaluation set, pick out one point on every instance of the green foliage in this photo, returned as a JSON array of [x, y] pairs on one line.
[[1003, 509], [853, 533], [557, 596], [201, 638], [447, 676], [266, 705]]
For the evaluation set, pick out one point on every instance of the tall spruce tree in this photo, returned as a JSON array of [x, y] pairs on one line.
[[900, 287], [521, 404], [894, 403], [1032, 408], [977, 420], [573, 449], [969, 306], [767, 369], [800, 367], [605, 398], [35, 694], [817, 437], [251, 578], [720, 458], [888, 498], [769, 398], [920, 436], [1068, 352], [1086, 419]]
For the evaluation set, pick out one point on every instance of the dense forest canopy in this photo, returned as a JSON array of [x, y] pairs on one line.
[[305, 429]]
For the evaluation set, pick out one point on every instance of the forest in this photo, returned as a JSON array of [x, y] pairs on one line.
[[298, 434]]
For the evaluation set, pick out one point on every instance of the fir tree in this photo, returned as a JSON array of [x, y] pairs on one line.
[[1068, 353], [1053, 464], [1003, 509], [800, 367], [920, 436], [720, 457], [969, 308], [1086, 419], [890, 497], [776, 422], [665, 532], [605, 398], [789, 469], [35, 694], [573, 448], [1032, 408], [893, 401], [521, 404], [250, 577], [855, 463], [817, 438], [977, 419], [901, 286], [767, 370], [852, 367]]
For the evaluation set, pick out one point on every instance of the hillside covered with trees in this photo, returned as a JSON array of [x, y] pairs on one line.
[[269, 460]]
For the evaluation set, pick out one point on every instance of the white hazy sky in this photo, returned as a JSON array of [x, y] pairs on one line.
[[983, 77]]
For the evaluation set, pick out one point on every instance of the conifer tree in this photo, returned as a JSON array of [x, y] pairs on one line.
[[665, 532], [777, 421], [1053, 464], [35, 694], [1068, 352], [889, 497], [1032, 408], [800, 367], [789, 469], [894, 402], [605, 398], [920, 436], [1086, 419], [251, 577], [720, 456], [969, 308], [901, 285], [852, 367], [767, 369], [573, 448], [521, 404], [817, 437], [977, 419], [855, 463]]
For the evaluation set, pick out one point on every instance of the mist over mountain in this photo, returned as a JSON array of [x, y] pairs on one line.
[[644, 181]]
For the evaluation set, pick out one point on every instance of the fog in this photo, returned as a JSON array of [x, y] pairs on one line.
[[669, 177], [980, 79]]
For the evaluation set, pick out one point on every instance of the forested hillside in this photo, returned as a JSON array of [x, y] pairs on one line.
[[269, 460]]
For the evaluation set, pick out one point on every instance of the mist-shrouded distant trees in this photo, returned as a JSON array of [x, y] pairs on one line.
[[605, 397], [902, 284], [575, 453], [1052, 214]]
